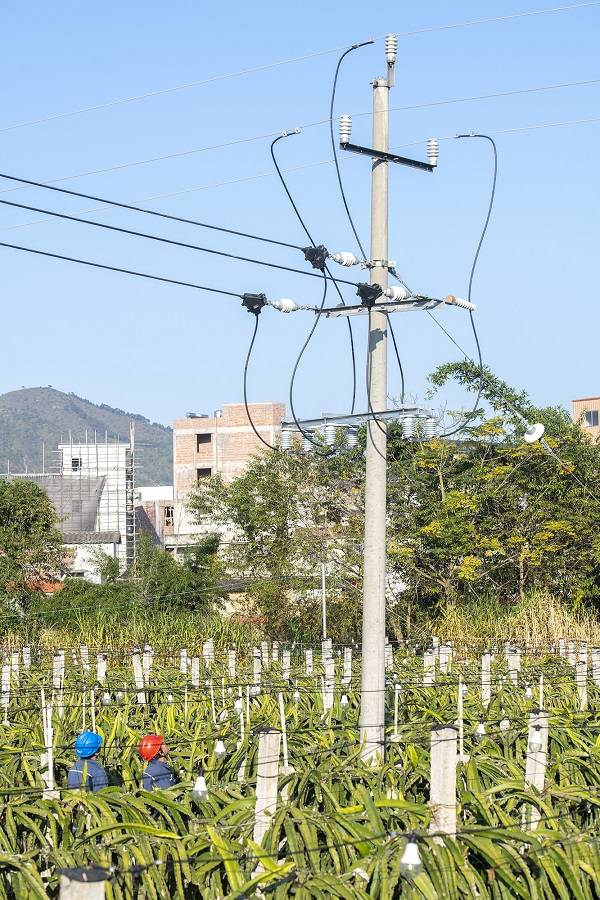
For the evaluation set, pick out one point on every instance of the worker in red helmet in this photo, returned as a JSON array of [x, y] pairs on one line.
[[157, 773]]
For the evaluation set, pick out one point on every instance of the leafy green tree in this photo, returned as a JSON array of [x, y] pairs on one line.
[[30, 543], [288, 513]]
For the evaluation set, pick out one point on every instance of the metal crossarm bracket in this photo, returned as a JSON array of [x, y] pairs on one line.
[[388, 157]]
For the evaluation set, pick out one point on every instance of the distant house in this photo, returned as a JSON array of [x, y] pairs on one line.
[[587, 412]]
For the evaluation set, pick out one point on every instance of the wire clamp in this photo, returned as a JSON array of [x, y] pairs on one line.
[[316, 256], [368, 294], [254, 302]]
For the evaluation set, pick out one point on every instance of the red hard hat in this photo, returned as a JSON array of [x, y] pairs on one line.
[[149, 746]]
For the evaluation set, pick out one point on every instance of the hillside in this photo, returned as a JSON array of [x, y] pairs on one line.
[[33, 416]]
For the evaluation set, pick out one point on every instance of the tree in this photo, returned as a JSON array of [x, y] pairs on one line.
[[287, 513], [30, 544]]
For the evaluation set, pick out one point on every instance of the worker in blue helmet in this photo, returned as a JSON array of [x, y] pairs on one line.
[[85, 772]]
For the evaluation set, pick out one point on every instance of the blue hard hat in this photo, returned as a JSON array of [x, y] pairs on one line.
[[87, 744]]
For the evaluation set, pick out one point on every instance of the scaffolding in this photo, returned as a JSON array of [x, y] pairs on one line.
[[91, 484]]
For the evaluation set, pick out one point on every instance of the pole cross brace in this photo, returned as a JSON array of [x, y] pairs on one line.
[[388, 157]]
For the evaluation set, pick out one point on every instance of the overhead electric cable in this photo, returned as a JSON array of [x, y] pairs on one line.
[[97, 265], [470, 415], [272, 134], [246, 364], [121, 101], [149, 212], [164, 240], [349, 214], [326, 272]]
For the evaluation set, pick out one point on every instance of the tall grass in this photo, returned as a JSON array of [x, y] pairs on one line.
[[538, 619]]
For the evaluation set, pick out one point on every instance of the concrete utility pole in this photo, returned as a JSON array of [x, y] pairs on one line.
[[372, 709]]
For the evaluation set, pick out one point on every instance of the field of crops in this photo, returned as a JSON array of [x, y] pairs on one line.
[[339, 828]]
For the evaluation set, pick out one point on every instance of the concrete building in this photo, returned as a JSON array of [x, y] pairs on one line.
[[155, 513], [91, 487], [221, 444], [587, 410]]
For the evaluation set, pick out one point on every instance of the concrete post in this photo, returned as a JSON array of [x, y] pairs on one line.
[[442, 791], [372, 706]]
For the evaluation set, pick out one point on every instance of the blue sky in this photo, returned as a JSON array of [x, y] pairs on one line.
[[161, 350]]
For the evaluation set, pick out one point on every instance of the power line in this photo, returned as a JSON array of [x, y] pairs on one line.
[[150, 212], [492, 19], [164, 240], [97, 265], [267, 66], [272, 134], [161, 92]]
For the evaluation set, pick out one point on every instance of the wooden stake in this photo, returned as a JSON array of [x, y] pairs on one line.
[[138, 676]]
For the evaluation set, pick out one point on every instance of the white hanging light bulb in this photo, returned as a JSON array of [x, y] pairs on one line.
[[528, 692], [464, 689], [344, 700], [220, 750], [410, 862], [106, 698], [238, 705], [170, 699], [479, 733], [200, 790], [504, 724], [535, 741], [296, 694]]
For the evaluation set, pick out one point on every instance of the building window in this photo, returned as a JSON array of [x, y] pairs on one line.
[[591, 418], [202, 440], [169, 515], [76, 463], [203, 473]]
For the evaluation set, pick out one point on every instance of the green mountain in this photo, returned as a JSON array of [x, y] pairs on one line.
[[33, 417]]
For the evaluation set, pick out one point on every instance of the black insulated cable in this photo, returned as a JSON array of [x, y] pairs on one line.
[[163, 240], [325, 269], [96, 265], [473, 412], [347, 208], [256, 314], [148, 212]]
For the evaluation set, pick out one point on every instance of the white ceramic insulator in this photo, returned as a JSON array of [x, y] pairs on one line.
[[429, 428], [391, 48], [408, 427], [345, 129], [344, 258], [433, 151], [329, 435], [397, 293], [284, 305], [286, 438], [351, 438], [307, 445], [456, 301]]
